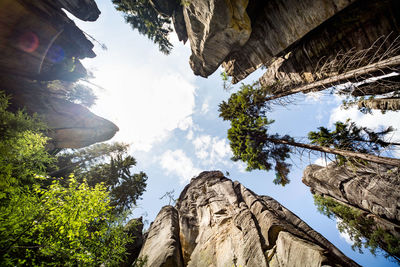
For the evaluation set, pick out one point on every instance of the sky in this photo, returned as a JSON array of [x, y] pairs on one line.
[[170, 118]]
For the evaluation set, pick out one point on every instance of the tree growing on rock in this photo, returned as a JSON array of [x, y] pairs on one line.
[[141, 15]]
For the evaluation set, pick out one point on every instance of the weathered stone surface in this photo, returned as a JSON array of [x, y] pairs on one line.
[[356, 27], [373, 188], [222, 223], [71, 125], [215, 28], [307, 254], [308, 31], [381, 104], [162, 245], [38, 41], [276, 25]]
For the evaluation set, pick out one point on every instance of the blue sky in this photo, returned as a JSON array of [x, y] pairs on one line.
[[170, 118]]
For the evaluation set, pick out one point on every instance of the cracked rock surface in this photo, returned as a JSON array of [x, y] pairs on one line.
[[217, 222], [373, 188]]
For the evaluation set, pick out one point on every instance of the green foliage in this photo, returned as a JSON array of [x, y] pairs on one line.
[[49, 223], [141, 261], [22, 155], [12, 124], [348, 136], [361, 229], [226, 81], [251, 142], [249, 101], [70, 225], [141, 15], [109, 164], [248, 134]]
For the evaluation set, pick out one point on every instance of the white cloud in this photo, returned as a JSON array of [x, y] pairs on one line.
[[322, 161], [205, 107], [186, 123], [375, 120], [176, 162], [146, 107], [189, 135], [202, 145], [146, 94], [241, 166], [343, 234], [211, 150], [314, 96]]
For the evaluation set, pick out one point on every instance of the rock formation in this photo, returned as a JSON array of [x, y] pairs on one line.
[[38, 42], [374, 190], [244, 35], [70, 125], [217, 222]]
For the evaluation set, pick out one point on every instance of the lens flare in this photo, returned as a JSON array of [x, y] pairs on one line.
[[56, 54], [28, 42]]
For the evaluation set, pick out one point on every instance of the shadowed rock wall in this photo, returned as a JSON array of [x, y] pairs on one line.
[[38, 42]]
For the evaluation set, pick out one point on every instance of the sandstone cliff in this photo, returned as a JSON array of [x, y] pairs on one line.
[[243, 35], [217, 222], [38, 42], [374, 190]]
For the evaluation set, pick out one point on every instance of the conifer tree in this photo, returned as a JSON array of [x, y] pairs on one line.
[[105, 163], [251, 142], [141, 15]]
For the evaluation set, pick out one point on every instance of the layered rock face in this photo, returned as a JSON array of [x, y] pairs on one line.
[[38, 42], [217, 222], [244, 35], [374, 190], [215, 28]]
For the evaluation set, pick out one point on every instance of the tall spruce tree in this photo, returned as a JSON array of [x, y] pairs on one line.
[[252, 143]]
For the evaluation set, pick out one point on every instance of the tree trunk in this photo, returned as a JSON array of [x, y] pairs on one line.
[[381, 103], [345, 153], [341, 78]]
